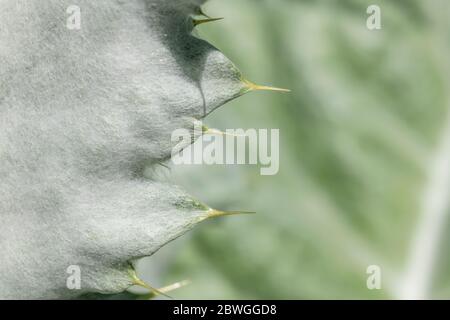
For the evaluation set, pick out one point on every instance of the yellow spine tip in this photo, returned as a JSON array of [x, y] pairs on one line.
[[221, 133], [254, 87], [138, 282], [169, 288], [202, 21], [175, 286], [213, 213]]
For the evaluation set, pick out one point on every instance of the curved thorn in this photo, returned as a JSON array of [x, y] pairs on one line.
[[201, 21], [254, 87]]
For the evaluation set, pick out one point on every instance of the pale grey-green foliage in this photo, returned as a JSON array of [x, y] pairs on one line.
[[82, 113]]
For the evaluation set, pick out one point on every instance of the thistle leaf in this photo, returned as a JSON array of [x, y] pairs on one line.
[[83, 112]]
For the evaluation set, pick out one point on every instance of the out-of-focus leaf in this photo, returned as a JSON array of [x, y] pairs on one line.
[[363, 175]]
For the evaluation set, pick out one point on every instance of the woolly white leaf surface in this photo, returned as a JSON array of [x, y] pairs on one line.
[[82, 112]]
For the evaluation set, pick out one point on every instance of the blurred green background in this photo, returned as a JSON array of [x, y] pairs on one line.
[[361, 137]]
